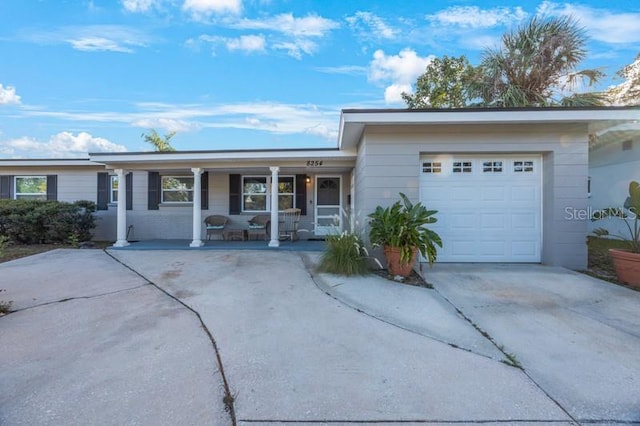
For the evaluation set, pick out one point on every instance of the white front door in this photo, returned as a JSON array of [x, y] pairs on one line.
[[328, 205], [489, 206]]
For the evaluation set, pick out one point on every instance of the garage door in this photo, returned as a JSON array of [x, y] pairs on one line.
[[489, 206]]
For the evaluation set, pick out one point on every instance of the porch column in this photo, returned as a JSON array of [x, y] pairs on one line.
[[197, 208], [275, 239], [121, 218]]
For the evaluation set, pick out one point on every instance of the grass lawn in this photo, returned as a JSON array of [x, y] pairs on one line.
[[600, 264], [13, 252]]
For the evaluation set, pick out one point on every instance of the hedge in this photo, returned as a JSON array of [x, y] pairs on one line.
[[38, 221]]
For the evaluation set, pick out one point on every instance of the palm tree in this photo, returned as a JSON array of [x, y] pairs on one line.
[[160, 143], [535, 66]]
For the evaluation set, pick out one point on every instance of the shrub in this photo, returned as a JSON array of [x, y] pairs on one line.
[[345, 255], [37, 221]]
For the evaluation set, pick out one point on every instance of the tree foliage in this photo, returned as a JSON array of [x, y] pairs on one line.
[[444, 84], [628, 92], [537, 66], [160, 143]]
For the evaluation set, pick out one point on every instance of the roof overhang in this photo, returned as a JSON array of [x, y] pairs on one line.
[[218, 158], [48, 162], [354, 121]]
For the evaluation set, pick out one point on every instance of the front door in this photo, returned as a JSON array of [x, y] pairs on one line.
[[328, 205]]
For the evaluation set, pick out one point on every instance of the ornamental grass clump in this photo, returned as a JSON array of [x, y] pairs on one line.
[[345, 254]]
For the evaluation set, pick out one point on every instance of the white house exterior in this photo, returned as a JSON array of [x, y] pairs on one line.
[[614, 161], [509, 185]]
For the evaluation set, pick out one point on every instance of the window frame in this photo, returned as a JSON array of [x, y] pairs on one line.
[[113, 192], [188, 190], [267, 193], [16, 194]]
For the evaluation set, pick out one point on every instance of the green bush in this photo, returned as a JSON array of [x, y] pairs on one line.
[[345, 255], [37, 221]]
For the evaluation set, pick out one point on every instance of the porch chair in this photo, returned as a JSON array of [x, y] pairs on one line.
[[215, 225], [259, 227], [288, 223]]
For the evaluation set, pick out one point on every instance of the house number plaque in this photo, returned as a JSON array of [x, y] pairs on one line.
[[314, 163]]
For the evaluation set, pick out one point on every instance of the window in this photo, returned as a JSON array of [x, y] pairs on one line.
[[286, 192], [523, 166], [113, 191], [256, 196], [254, 193], [462, 167], [177, 189], [429, 167], [492, 167], [31, 187]]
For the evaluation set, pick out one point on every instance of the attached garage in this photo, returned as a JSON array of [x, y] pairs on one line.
[[489, 206]]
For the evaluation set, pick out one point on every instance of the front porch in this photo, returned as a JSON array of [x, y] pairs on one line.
[[169, 195], [183, 244]]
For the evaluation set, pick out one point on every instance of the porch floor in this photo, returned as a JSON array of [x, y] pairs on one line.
[[299, 245]]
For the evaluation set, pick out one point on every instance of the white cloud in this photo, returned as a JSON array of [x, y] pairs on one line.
[[61, 145], [8, 96], [296, 48], [344, 69], [286, 23], [369, 25], [270, 117], [168, 124], [400, 70], [98, 44], [474, 17], [138, 5], [202, 9], [602, 24], [93, 38], [247, 43]]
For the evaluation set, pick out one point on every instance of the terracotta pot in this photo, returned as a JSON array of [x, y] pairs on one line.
[[627, 266], [392, 254]]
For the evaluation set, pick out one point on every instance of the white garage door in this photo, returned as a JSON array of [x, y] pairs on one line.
[[489, 206]]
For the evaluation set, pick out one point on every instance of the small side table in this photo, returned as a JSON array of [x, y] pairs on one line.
[[234, 234]]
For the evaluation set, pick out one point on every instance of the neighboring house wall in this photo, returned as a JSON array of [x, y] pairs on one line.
[[611, 168], [73, 183], [388, 162]]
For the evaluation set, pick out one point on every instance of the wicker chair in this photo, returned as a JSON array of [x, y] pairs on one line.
[[259, 227], [215, 225], [288, 226]]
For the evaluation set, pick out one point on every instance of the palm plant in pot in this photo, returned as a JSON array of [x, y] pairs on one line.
[[400, 230], [626, 262]]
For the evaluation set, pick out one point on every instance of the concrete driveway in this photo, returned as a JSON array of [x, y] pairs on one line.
[[94, 342]]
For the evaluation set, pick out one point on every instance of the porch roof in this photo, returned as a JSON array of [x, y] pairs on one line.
[[227, 159]]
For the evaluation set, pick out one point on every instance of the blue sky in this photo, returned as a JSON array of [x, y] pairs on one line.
[[79, 76]]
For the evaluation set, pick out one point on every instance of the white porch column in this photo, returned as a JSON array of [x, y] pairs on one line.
[[121, 218], [197, 208], [275, 239]]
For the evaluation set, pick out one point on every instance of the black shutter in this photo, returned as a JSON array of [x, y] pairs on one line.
[[52, 187], [6, 184], [301, 193], [129, 190], [154, 191], [204, 191], [235, 194], [103, 191]]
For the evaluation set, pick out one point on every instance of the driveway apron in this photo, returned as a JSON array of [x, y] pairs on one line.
[[292, 353], [91, 342], [576, 336]]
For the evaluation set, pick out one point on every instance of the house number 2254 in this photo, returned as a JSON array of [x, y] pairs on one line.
[[314, 163]]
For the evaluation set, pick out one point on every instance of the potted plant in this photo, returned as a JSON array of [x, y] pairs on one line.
[[400, 230], [626, 262]]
